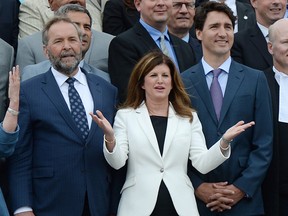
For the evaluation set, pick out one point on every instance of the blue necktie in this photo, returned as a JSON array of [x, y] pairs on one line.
[[77, 108], [216, 92]]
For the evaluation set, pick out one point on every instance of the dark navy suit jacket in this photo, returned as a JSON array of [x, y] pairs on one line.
[[246, 98], [53, 167]]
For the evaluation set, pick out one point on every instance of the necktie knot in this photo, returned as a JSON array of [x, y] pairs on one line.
[[216, 72], [71, 80]]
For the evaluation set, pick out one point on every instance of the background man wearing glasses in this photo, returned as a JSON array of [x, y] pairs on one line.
[[181, 22], [127, 48]]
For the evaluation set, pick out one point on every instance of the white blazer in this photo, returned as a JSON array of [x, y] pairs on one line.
[[137, 142]]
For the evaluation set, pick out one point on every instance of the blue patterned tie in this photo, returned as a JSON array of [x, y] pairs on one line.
[[216, 92], [77, 108]]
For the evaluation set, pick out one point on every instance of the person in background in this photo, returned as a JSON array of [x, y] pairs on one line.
[[119, 16], [9, 129], [156, 132], [149, 34], [81, 17], [30, 48], [250, 46], [243, 11], [181, 22], [9, 10], [224, 92], [33, 14], [275, 186], [58, 167]]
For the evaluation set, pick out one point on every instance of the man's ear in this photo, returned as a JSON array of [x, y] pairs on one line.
[[137, 4], [198, 34], [45, 51], [270, 47]]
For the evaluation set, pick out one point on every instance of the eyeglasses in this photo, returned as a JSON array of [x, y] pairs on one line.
[[188, 5]]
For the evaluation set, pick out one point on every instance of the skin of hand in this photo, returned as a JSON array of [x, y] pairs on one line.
[[14, 84], [29, 213], [235, 130], [104, 124], [220, 201], [10, 121], [221, 196], [215, 196]]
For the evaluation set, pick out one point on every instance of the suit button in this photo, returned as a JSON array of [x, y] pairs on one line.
[[162, 170]]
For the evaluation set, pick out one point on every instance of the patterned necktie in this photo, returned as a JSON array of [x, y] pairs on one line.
[[216, 92], [163, 46], [77, 108]]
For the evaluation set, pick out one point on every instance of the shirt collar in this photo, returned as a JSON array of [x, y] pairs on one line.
[[278, 74], [61, 78], [225, 66], [154, 33], [186, 38], [263, 29]]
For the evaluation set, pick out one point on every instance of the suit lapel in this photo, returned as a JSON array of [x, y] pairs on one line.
[[235, 79], [145, 38], [51, 89], [96, 92], [145, 123], [260, 43], [172, 126], [203, 90]]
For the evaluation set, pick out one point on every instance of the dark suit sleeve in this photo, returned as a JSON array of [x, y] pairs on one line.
[[20, 163], [262, 141], [112, 18], [237, 49], [122, 58]]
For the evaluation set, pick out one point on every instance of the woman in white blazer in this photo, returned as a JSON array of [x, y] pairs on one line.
[[156, 131]]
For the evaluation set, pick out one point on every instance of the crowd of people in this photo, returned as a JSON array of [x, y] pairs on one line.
[[143, 107]]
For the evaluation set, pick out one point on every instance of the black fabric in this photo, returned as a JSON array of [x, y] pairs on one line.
[[86, 210], [164, 204]]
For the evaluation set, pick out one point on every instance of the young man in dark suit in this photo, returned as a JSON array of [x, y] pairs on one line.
[[233, 188], [127, 48]]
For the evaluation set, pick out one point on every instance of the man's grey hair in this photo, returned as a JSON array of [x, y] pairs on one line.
[[54, 20]]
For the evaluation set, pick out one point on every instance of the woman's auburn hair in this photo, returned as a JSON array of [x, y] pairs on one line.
[[136, 94]]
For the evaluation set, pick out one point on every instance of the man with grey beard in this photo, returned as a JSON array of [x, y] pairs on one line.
[[58, 167]]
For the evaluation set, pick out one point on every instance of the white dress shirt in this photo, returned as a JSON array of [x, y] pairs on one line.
[[282, 80]]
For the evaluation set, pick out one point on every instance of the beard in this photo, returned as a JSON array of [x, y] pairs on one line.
[[65, 67]]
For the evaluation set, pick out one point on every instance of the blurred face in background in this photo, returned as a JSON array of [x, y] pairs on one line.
[[56, 4], [181, 20], [269, 11], [155, 12], [83, 21]]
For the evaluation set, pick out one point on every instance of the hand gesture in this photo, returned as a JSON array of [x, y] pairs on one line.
[[14, 84], [235, 130], [104, 124]]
